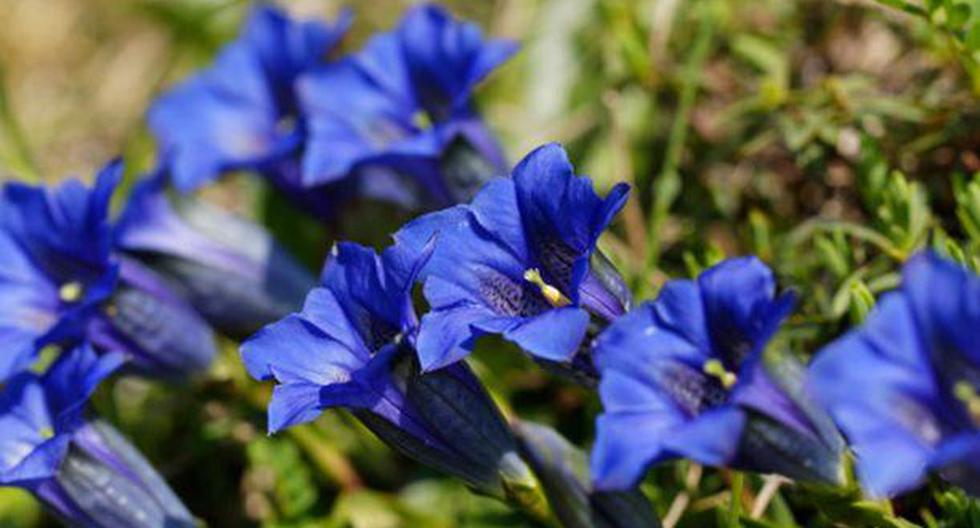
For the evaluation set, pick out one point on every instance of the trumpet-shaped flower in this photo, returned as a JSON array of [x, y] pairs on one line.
[[905, 387], [351, 347], [229, 269], [687, 376], [398, 114], [242, 112], [519, 261], [84, 471], [60, 283]]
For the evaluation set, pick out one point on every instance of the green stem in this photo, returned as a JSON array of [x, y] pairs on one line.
[[738, 481], [667, 184]]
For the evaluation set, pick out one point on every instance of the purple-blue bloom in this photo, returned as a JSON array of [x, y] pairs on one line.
[[398, 114], [519, 261], [351, 347], [688, 375], [83, 470], [230, 269], [242, 112], [60, 283], [905, 386]]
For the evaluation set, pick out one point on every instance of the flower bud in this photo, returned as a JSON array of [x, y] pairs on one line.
[[104, 481], [228, 268], [163, 334]]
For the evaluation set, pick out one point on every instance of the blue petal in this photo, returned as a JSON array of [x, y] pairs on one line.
[[296, 350], [740, 306], [448, 335], [297, 403], [957, 458], [209, 132], [562, 215], [553, 335], [28, 307], [669, 329], [712, 438], [356, 108], [495, 209], [872, 384], [228, 116], [630, 432], [949, 320], [493, 276], [447, 58], [356, 276], [24, 415], [286, 47], [64, 230], [73, 378], [415, 236]]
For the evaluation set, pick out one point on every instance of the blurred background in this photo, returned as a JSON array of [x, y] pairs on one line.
[[830, 137]]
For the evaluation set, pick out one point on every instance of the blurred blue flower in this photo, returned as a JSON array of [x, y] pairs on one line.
[[351, 347], [517, 262], [399, 115], [687, 376], [231, 270], [905, 387], [83, 470], [60, 283], [242, 112]]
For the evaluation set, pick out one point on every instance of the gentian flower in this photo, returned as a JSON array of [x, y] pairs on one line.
[[905, 386], [564, 474], [689, 375], [230, 269], [60, 283], [520, 261], [399, 115], [83, 470], [351, 347], [242, 112]]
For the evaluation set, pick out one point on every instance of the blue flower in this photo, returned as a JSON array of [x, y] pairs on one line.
[[351, 347], [242, 113], [905, 387], [230, 269], [82, 470], [518, 261], [399, 116], [687, 376], [61, 283]]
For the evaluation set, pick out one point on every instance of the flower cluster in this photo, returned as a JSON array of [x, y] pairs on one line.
[[699, 372], [84, 295], [393, 121]]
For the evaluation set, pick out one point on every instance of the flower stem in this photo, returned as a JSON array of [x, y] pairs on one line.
[[738, 481]]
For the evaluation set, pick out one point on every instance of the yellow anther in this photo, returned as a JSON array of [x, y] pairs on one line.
[[967, 393], [421, 120], [70, 291], [553, 295], [46, 433], [714, 368]]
